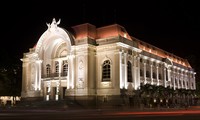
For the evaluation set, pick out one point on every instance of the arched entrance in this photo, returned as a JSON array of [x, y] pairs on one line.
[[54, 49]]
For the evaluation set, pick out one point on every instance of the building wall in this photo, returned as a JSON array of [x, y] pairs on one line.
[[108, 52], [130, 66]]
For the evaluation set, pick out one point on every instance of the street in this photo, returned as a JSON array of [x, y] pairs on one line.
[[99, 114]]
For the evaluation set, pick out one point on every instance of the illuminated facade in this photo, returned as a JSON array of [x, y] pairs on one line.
[[86, 61]]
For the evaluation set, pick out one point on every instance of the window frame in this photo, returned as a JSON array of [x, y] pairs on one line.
[[106, 71]]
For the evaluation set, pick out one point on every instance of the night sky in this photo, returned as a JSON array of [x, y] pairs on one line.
[[173, 25]]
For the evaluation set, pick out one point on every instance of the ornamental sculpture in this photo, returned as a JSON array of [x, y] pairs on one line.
[[53, 25]]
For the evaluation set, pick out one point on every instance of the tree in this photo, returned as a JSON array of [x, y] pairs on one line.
[[10, 80]]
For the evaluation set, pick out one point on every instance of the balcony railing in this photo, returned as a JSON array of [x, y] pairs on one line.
[[52, 75], [63, 74]]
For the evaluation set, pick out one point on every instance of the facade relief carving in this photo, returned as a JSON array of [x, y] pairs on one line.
[[80, 72], [33, 74]]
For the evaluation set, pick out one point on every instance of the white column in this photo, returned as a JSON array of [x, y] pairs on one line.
[[191, 80], [57, 90], [138, 72], [68, 71], [35, 66], [135, 73], [71, 81], [59, 83], [48, 90], [174, 78], [151, 72], [120, 70], [183, 76], [178, 79], [164, 77], [194, 83], [169, 77], [181, 79], [157, 76], [125, 63], [186, 80], [38, 72], [145, 80]]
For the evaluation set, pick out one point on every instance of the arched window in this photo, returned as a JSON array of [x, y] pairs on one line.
[[65, 68], [129, 74], [48, 68], [57, 68], [106, 68]]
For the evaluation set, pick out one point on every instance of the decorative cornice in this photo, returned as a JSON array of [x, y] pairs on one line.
[[128, 47]]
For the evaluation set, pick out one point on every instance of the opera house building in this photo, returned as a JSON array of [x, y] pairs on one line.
[[87, 62]]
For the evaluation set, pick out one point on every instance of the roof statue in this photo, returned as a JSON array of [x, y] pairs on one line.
[[53, 24]]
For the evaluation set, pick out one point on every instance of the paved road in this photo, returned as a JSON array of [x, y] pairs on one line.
[[99, 114]]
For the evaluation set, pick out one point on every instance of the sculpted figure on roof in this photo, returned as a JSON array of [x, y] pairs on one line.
[[54, 24]]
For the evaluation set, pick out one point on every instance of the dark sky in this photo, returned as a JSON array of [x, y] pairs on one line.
[[170, 25]]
